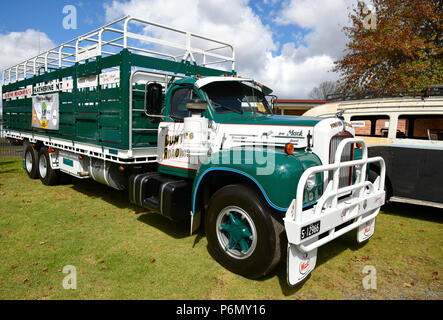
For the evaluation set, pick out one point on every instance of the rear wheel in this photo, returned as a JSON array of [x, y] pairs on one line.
[[47, 174], [31, 162], [242, 234]]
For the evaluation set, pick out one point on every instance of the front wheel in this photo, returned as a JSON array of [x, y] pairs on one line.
[[242, 234]]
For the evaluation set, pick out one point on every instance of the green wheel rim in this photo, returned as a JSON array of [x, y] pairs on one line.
[[236, 232]]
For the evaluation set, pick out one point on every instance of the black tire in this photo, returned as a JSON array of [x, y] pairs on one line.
[[30, 158], [49, 176], [262, 257]]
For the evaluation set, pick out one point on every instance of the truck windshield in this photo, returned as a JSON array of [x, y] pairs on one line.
[[235, 96]]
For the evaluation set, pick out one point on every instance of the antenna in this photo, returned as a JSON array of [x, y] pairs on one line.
[[38, 40]]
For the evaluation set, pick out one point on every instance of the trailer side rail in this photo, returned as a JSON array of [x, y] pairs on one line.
[[186, 46]]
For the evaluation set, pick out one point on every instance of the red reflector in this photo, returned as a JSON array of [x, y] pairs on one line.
[[121, 168]]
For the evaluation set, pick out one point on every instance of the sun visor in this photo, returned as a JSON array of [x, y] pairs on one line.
[[207, 80]]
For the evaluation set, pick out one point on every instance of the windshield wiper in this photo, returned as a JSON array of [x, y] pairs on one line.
[[227, 107], [249, 105]]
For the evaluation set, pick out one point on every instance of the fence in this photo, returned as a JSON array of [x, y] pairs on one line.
[[9, 148]]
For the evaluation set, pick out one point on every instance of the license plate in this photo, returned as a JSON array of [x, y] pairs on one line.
[[310, 230]]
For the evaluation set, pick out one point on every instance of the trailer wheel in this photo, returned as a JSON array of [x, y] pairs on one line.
[[31, 162], [242, 234], [47, 174]]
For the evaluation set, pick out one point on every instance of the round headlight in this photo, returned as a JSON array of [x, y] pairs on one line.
[[310, 182]]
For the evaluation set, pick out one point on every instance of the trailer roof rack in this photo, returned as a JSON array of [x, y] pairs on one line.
[[422, 92], [145, 37]]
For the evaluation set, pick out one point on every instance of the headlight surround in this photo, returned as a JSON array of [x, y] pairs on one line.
[[313, 189], [310, 182], [357, 172]]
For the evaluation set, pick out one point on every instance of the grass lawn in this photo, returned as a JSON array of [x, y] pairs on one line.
[[124, 252]]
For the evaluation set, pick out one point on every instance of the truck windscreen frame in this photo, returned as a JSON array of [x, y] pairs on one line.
[[236, 96]]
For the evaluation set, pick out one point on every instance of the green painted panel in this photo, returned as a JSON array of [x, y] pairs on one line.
[[184, 173], [144, 139], [67, 117], [110, 137], [112, 106], [67, 129], [67, 107], [278, 176], [110, 121], [87, 129], [68, 162]]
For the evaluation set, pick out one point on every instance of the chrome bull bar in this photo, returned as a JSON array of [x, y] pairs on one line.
[[357, 204]]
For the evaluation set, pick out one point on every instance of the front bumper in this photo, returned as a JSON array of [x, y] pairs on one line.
[[357, 205]]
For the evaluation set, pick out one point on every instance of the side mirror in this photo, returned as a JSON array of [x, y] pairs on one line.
[[153, 98], [272, 100], [196, 106]]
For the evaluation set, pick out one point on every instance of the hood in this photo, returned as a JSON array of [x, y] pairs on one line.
[[270, 120]]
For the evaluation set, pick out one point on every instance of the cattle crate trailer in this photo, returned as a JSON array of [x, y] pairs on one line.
[[161, 113]]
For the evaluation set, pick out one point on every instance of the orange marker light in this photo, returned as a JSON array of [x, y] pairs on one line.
[[121, 168], [289, 148]]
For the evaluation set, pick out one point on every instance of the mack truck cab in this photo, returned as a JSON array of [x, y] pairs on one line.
[[193, 142]]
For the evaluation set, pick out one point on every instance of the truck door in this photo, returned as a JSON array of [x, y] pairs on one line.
[[171, 155]]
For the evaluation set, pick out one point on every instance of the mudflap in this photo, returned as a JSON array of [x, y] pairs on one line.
[[195, 222], [299, 263], [366, 230]]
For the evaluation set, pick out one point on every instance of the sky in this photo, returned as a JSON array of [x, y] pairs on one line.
[[288, 45]]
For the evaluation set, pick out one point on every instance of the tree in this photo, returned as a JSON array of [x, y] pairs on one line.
[[323, 90], [401, 47]]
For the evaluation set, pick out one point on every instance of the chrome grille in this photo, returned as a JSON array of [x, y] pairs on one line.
[[347, 155]]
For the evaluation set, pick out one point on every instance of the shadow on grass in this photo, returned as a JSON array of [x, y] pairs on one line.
[[177, 230], [9, 171], [413, 211], [95, 190], [6, 168], [120, 199], [2, 163]]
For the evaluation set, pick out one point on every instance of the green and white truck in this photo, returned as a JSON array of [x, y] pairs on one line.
[[136, 106]]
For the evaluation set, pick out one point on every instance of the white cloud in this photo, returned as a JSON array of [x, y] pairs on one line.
[[293, 72], [296, 79], [231, 21], [16, 47], [324, 18]]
